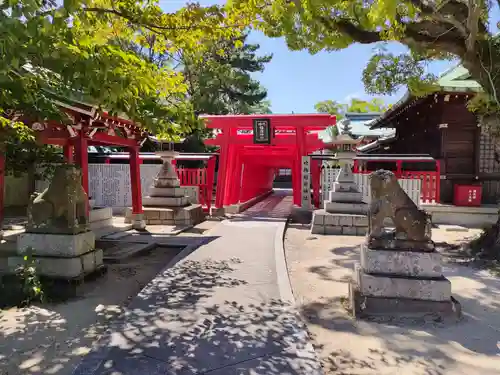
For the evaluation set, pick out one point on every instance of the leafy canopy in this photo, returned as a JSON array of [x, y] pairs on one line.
[[74, 49], [355, 106], [430, 29]]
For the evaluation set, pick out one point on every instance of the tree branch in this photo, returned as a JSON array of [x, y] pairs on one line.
[[356, 33]]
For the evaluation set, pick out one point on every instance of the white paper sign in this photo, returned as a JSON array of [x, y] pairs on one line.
[[306, 183]]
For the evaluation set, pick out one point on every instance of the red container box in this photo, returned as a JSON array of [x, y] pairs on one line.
[[467, 195]]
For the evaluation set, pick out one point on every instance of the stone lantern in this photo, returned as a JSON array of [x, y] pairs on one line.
[[344, 211]]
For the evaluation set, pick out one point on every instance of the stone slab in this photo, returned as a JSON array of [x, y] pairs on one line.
[[345, 186], [404, 263], [399, 244], [61, 245], [349, 231], [437, 289], [333, 230], [368, 307], [167, 192], [345, 196], [98, 214], [67, 268], [165, 201], [346, 208], [166, 182]]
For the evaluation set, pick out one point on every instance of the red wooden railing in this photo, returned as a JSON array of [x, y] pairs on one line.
[[430, 180], [201, 177]]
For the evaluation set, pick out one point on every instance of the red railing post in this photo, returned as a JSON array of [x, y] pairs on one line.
[[210, 180], [437, 195]]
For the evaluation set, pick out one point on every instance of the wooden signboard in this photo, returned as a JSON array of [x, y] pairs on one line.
[[262, 131]]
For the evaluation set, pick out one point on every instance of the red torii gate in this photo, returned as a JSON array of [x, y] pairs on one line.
[[253, 147], [88, 127]]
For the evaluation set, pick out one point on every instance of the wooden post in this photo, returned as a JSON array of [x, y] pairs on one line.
[[135, 180], [68, 153], [2, 188], [82, 159]]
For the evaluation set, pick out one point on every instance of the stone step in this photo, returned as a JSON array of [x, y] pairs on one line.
[[165, 201], [167, 192], [126, 250], [102, 213], [431, 289], [347, 208], [96, 225], [345, 196]]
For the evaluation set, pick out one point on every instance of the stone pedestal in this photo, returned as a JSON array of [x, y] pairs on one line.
[[167, 203], [401, 279], [344, 212], [59, 255]]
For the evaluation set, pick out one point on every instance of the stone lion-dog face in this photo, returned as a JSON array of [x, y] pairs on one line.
[[388, 199]]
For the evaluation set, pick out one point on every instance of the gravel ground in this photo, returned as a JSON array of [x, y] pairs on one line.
[[320, 267]]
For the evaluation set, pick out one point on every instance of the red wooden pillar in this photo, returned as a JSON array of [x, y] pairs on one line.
[[68, 153], [223, 165], [210, 180], [297, 170], [135, 180], [2, 187], [82, 159]]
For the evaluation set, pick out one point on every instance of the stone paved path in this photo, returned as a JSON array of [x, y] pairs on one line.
[[218, 311]]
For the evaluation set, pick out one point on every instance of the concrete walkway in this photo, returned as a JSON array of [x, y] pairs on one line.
[[225, 308]]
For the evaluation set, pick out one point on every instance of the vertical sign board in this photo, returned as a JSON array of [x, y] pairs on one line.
[[306, 201], [262, 131]]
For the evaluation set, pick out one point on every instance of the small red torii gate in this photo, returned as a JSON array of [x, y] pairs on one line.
[[253, 147]]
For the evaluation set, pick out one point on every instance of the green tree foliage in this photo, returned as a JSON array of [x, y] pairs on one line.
[[219, 80], [332, 107], [73, 48], [430, 29]]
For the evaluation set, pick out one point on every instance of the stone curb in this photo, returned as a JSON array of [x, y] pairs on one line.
[[286, 295], [284, 284]]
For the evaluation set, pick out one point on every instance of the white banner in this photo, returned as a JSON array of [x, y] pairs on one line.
[[306, 201]]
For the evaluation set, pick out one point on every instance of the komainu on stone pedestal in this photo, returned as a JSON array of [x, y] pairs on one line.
[[400, 272], [62, 207]]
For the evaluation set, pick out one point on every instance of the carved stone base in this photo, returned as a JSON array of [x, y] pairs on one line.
[[399, 244], [62, 267], [337, 223], [189, 215], [61, 245], [397, 286], [390, 309], [404, 263]]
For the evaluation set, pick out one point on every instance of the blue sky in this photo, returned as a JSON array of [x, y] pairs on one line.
[[296, 80]]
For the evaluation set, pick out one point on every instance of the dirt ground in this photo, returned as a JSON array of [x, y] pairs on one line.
[[51, 339], [320, 267]]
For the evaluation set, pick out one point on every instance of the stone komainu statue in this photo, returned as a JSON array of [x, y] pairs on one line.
[[62, 207], [389, 200]]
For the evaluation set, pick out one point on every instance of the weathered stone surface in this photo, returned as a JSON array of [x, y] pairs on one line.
[[165, 201], [347, 208], [345, 220], [438, 289], [345, 186], [61, 245], [388, 241], [318, 229], [345, 196], [62, 207], [318, 218], [405, 263], [167, 192], [359, 221], [394, 308], [349, 231], [389, 200], [63, 267], [332, 219], [333, 230], [98, 214], [361, 231]]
